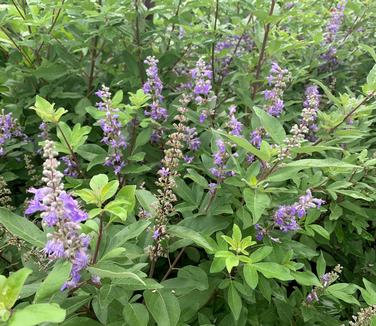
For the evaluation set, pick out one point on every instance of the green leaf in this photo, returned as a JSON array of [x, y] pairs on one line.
[[136, 314], [118, 98], [147, 200], [11, 288], [274, 270], [321, 265], [321, 163], [113, 271], [109, 190], [163, 306], [186, 233], [260, 254], [272, 125], [129, 232], [97, 183], [139, 99], [369, 293], [54, 281], [320, 230], [37, 314], [250, 275], [306, 278], [243, 143], [196, 177], [340, 294], [257, 202], [46, 111], [328, 93], [234, 301], [22, 228]]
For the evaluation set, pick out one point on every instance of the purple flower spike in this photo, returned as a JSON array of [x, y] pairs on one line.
[[60, 211], [9, 129], [112, 131], [277, 79], [285, 216], [153, 86]]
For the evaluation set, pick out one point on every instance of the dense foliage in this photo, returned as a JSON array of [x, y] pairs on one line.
[[187, 162]]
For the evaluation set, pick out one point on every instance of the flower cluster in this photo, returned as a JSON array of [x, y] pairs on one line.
[[71, 167], [332, 29], [191, 138], [9, 128], [325, 280], [234, 124], [59, 210], [285, 218], [364, 317], [256, 140], [201, 82], [153, 86], [277, 80], [111, 126], [166, 181], [219, 168], [5, 198], [307, 127], [232, 46]]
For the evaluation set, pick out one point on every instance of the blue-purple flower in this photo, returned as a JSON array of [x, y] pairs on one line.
[[285, 218], [219, 158], [153, 86], [59, 210], [9, 128], [332, 29], [234, 124], [201, 76], [277, 80], [112, 131]]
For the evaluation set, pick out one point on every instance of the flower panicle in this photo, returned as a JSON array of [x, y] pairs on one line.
[[326, 280], [285, 218], [60, 211], [173, 154], [113, 135], [277, 80], [154, 87], [9, 129]]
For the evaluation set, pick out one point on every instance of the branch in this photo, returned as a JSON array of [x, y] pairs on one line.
[[173, 25], [26, 57], [262, 51], [213, 43], [173, 264], [138, 43], [100, 234]]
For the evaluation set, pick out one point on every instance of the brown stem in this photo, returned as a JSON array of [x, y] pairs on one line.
[[138, 44], [262, 51], [92, 65], [72, 153], [211, 200], [152, 268], [173, 264], [366, 99], [53, 24], [97, 246], [181, 56], [213, 43], [94, 56], [26, 57], [173, 25], [235, 51]]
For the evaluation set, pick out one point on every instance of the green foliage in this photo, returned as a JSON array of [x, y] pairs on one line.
[[187, 231]]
